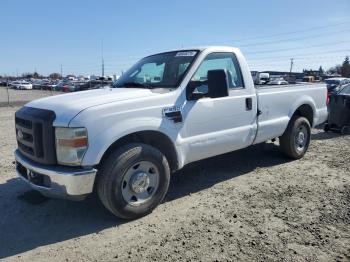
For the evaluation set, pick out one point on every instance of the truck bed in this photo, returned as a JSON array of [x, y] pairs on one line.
[[288, 86], [277, 104]]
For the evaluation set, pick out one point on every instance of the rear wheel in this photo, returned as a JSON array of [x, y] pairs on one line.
[[296, 139], [326, 128], [345, 130], [133, 180]]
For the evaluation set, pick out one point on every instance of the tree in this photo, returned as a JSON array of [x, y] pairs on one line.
[[55, 76], [36, 75], [335, 70], [27, 75], [321, 71], [345, 69]]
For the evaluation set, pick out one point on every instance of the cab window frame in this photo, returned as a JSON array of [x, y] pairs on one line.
[[237, 67]]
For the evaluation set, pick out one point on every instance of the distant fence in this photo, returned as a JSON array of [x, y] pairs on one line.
[[12, 97]]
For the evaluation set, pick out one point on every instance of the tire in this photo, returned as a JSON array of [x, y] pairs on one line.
[[326, 128], [345, 130], [125, 173], [296, 139]]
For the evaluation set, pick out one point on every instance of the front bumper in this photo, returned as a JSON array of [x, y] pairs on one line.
[[56, 181]]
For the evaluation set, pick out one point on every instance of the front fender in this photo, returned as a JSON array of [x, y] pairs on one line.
[[105, 138]]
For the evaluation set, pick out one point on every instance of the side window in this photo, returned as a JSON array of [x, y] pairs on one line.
[[227, 61]]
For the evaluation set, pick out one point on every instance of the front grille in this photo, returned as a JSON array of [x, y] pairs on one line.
[[35, 134], [24, 123]]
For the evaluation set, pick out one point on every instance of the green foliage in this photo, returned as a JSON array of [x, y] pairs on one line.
[[321, 71], [335, 70], [345, 69], [55, 76]]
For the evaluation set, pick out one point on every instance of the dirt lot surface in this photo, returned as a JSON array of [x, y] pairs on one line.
[[250, 205], [20, 97]]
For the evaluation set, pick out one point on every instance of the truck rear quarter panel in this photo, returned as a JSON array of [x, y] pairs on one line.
[[278, 104]]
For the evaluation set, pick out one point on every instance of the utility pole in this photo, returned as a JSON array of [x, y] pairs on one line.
[[61, 71], [103, 62], [291, 66]]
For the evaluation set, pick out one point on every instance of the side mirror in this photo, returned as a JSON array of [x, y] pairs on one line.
[[217, 83]]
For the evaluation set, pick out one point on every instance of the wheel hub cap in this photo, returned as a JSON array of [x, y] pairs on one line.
[[140, 182], [301, 138]]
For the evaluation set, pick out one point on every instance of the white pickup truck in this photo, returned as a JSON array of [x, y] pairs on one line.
[[166, 111]]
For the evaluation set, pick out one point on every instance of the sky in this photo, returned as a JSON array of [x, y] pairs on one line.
[[42, 35]]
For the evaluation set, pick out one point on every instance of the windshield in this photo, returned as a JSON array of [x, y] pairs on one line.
[[162, 70], [345, 90]]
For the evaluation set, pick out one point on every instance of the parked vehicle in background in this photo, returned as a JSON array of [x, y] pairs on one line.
[[37, 84], [291, 79], [95, 84], [63, 86], [336, 84], [260, 78], [278, 82], [168, 110], [339, 111], [308, 79], [51, 85], [345, 90], [3, 82], [40, 84], [68, 87], [74, 87], [21, 85]]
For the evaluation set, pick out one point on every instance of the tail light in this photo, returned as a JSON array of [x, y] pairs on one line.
[[327, 99]]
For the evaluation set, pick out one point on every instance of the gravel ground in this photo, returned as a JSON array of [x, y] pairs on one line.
[[20, 97], [249, 205]]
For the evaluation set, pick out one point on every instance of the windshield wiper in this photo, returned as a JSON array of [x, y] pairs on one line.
[[135, 84]]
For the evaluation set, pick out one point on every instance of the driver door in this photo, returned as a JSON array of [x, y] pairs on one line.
[[214, 126]]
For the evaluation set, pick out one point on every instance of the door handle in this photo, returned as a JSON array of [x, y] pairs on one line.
[[248, 103]]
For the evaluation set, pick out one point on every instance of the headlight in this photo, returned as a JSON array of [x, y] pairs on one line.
[[71, 145]]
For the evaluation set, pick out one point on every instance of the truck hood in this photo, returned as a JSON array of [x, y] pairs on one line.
[[67, 106]]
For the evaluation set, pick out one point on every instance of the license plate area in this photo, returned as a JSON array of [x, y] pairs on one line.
[[33, 177]]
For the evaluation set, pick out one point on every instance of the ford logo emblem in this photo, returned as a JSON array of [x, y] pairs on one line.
[[20, 134]]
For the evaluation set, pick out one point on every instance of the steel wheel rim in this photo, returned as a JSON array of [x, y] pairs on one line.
[[300, 139], [140, 182]]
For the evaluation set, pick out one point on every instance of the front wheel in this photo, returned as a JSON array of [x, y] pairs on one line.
[[133, 180], [296, 139]]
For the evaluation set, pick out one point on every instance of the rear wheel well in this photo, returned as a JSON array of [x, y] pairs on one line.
[[305, 111], [153, 138]]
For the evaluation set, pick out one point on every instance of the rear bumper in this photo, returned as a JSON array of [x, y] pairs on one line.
[[56, 181]]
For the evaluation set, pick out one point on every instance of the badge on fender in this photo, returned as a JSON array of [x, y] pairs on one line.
[[173, 113]]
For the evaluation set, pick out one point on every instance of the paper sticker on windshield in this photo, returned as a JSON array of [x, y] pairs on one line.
[[186, 53]]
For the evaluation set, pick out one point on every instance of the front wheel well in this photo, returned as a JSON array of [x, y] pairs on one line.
[[153, 138], [305, 111]]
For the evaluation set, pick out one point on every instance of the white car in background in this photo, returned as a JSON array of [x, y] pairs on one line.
[[278, 82], [21, 85]]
